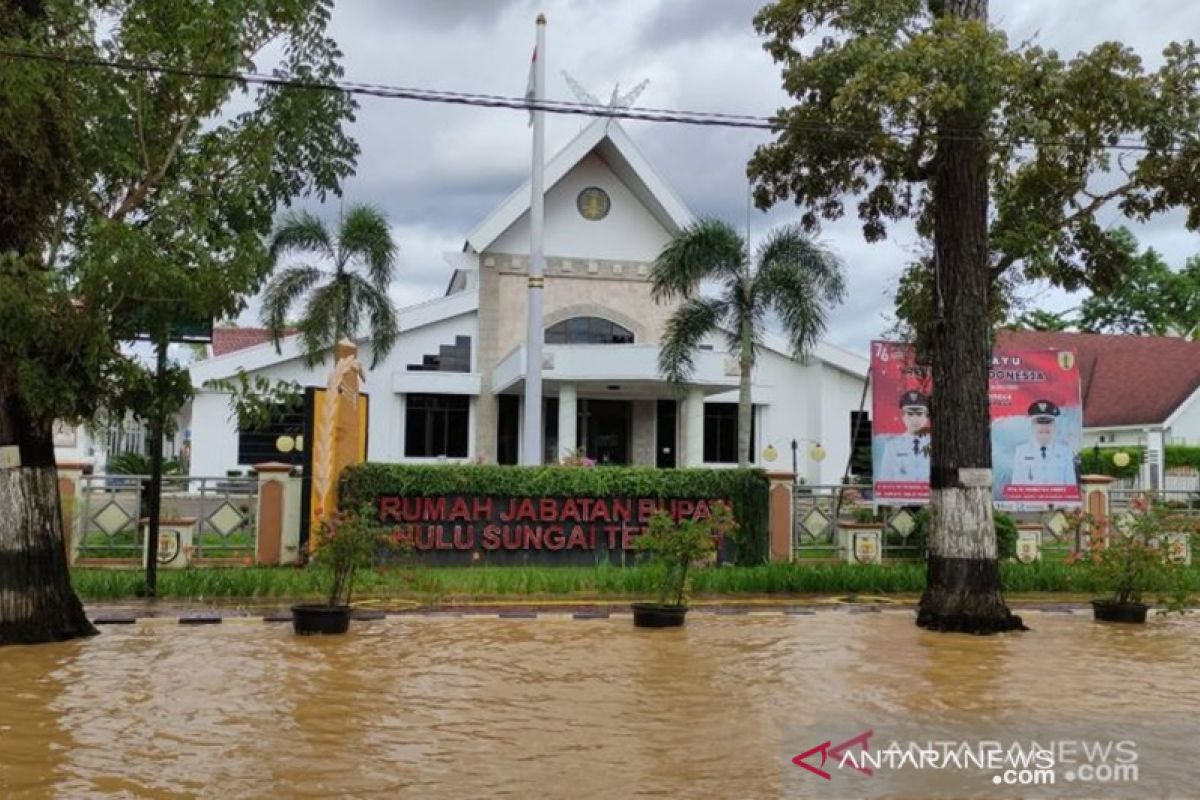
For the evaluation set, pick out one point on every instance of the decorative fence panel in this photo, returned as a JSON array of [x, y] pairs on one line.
[[218, 516]]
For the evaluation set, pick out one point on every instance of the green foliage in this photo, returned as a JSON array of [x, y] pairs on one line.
[[259, 401], [791, 276], [131, 463], [1006, 535], [1177, 455], [878, 88], [1135, 558], [1041, 320], [1090, 465], [337, 308], [745, 489], [462, 584], [134, 198], [1151, 298], [347, 543], [674, 546]]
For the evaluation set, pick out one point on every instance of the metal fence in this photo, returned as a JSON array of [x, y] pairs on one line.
[[220, 514], [816, 534]]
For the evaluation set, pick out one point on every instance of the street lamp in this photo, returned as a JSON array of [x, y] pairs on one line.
[[816, 452]]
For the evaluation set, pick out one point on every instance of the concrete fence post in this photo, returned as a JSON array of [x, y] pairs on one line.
[[70, 477], [278, 539], [1097, 500], [781, 506]]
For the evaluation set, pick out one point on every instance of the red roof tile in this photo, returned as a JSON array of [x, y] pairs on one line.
[[1127, 380], [229, 340]]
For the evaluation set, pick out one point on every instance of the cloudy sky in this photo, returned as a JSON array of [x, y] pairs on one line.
[[437, 170]]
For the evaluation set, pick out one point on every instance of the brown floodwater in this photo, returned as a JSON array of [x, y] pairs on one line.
[[435, 707]]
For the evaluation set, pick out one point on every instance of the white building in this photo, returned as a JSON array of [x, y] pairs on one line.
[[452, 387]]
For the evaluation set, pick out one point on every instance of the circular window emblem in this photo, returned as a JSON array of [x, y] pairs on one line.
[[593, 203]]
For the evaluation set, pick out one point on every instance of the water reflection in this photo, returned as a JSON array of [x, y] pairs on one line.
[[475, 707]]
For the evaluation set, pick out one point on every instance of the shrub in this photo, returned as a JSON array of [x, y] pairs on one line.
[[674, 546], [1006, 535]]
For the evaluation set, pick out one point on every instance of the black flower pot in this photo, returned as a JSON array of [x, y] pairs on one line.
[[657, 615], [1108, 611], [310, 618]]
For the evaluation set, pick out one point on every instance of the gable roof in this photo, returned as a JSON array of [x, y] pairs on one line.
[[1126, 380], [605, 136]]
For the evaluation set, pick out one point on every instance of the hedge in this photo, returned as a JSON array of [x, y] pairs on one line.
[[1089, 466], [1177, 455], [747, 489]]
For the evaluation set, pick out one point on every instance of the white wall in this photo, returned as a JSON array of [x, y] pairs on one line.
[[214, 435], [629, 232], [1187, 424]]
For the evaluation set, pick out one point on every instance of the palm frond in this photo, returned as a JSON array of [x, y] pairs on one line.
[[303, 232], [381, 317], [800, 280], [319, 324], [366, 235], [686, 329], [281, 293], [705, 249]]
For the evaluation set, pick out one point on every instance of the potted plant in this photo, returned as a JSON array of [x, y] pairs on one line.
[[1132, 562], [672, 547], [347, 542]]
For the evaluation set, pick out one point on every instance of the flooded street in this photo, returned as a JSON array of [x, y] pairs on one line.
[[430, 707]]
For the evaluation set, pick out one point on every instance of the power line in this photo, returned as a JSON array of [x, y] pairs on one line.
[[703, 118]]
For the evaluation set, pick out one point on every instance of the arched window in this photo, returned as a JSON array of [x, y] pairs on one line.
[[588, 330]]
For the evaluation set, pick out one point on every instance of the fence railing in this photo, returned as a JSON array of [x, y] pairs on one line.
[[220, 514]]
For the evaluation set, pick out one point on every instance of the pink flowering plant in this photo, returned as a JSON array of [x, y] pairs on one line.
[[674, 546], [348, 542], [1134, 558], [577, 458]]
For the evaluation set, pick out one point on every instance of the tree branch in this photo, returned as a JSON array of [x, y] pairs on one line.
[[138, 194]]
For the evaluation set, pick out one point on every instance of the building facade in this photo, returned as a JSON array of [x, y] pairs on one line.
[[452, 388]]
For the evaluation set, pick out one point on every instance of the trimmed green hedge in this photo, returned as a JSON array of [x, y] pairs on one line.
[[747, 489], [1177, 455], [1105, 466]]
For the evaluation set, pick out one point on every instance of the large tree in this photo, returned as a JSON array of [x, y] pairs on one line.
[[790, 276], [132, 196], [1003, 156], [351, 289]]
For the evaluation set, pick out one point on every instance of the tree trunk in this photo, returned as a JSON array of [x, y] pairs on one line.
[[962, 591], [37, 603], [745, 404]]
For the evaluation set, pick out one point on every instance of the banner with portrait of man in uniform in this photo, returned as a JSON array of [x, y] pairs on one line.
[[1037, 427]]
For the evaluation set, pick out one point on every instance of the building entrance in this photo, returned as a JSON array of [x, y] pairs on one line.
[[605, 427]]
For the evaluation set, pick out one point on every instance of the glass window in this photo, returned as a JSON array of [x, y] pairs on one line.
[[588, 330], [436, 425], [720, 433]]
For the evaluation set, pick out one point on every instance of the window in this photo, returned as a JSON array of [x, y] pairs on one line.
[[436, 425], [720, 433], [860, 444], [588, 330]]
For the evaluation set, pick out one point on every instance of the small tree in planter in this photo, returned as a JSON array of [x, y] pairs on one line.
[[1134, 561], [673, 547], [348, 542]]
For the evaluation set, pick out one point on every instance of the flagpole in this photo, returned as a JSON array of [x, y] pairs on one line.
[[531, 451]]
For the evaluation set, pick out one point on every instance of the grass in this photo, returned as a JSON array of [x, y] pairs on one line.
[[484, 582]]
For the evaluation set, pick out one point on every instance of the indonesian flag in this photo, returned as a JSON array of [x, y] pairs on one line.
[[530, 87]]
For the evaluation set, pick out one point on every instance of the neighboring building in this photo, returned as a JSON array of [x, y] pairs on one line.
[[1141, 391], [452, 387]]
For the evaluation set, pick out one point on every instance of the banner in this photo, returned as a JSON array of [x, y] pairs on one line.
[[1037, 427]]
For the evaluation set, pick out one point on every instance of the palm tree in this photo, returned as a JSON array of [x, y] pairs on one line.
[[339, 295], [791, 275]]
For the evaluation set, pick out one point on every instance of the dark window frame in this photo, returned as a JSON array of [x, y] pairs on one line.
[[720, 445], [437, 425], [588, 330]]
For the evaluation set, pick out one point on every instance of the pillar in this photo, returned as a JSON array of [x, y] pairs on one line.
[[278, 539], [693, 428], [70, 477], [781, 507], [1096, 501], [568, 400]]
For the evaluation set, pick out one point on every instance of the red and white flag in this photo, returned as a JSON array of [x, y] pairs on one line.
[[531, 86]]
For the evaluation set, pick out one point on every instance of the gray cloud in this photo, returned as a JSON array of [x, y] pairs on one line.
[[681, 21]]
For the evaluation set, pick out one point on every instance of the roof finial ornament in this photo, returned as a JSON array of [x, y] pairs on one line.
[[617, 100]]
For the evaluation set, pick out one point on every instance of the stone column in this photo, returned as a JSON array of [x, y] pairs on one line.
[[781, 508], [567, 405], [693, 428], [70, 476], [278, 540]]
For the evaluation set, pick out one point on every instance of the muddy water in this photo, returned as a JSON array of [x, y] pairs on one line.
[[553, 707]]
